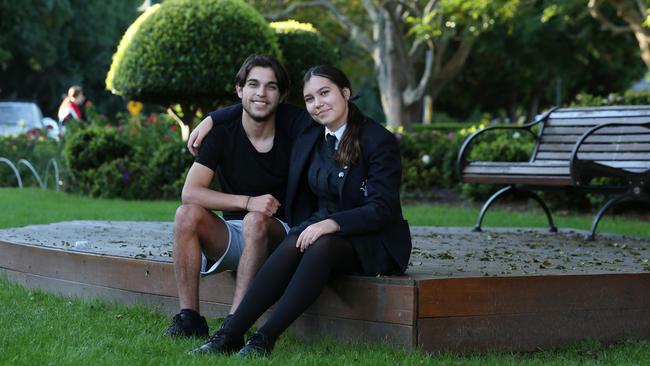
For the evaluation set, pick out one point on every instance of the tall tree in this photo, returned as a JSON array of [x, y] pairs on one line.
[[632, 12], [415, 45]]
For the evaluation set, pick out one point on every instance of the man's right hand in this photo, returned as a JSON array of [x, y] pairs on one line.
[[197, 135], [266, 204]]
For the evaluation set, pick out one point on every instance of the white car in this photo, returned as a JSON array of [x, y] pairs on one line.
[[17, 117]]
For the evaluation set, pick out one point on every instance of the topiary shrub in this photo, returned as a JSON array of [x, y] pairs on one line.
[[96, 157], [166, 170], [187, 52], [302, 47]]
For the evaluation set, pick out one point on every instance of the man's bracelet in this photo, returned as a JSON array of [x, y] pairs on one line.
[[247, 200]]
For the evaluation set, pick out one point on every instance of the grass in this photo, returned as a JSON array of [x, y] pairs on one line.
[[34, 206], [41, 328], [434, 215]]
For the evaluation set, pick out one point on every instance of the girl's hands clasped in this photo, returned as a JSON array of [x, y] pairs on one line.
[[315, 231]]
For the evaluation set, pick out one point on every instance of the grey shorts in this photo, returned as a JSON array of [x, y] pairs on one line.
[[230, 259]]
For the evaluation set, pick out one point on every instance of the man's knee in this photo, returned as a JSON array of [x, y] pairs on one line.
[[187, 219], [257, 224]]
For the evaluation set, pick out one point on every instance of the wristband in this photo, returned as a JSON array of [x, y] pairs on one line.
[[248, 199]]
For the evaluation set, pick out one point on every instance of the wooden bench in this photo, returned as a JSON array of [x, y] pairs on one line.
[[573, 146]]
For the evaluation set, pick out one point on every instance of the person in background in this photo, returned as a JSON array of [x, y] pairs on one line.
[[70, 108]]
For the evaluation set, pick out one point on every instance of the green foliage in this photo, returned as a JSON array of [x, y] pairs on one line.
[[302, 47], [497, 146], [627, 98], [461, 17], [141, 158], [187, 51], [97, 158], [89, 148], [46, 46], [515, 65], [429, 156], [428, 160], [36, 149]]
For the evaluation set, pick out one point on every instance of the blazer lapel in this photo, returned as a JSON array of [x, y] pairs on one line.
[[299, 156]]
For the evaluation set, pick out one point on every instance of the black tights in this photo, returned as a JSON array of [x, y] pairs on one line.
[[296, 279]]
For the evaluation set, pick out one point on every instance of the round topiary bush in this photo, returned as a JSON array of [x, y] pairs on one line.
[[187, 52], [302, 47]]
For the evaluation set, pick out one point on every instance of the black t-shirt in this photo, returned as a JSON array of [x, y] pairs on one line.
[[241, 169]]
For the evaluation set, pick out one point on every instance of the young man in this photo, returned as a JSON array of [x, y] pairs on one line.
[[249, 154]]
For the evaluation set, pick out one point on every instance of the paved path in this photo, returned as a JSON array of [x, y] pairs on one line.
[[437, 251]]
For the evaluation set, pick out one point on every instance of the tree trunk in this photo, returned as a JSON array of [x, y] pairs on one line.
[[634, 14]]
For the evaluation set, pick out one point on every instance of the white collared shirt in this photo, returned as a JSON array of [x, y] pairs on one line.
[[338, 134]]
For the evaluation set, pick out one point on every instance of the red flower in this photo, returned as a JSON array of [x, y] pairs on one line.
[[174, 127]]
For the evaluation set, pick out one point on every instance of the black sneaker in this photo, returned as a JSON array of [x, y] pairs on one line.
[[257, 346], [188, 325], [221, 342]]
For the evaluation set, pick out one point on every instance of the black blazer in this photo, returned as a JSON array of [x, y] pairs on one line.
[[371, 213]]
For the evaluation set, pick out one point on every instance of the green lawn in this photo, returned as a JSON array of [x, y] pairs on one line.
[[43, 329], [34, 206], [39, 328]]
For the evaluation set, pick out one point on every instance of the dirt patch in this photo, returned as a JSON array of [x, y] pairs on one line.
[[437, 251]]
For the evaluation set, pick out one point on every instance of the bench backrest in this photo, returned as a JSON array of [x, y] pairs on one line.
[[626, 147]]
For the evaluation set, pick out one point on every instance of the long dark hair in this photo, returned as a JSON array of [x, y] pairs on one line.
[[349, 149]]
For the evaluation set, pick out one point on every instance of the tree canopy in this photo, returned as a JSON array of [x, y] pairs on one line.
[[549, 50], [186, 52], [302, 47]]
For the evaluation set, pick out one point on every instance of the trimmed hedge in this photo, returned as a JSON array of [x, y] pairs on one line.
[[302, 47], [140, 158], [627, 98], [187, 51]]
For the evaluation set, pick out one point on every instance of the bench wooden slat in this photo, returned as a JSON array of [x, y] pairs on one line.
[[597, 138], [616, 156], [595, 147], [636, 166], [595, 112], [566, 122], [508, 169], [517, 163], [518, 179], [604, 131]]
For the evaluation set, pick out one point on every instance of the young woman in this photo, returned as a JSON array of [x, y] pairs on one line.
[[344, 205]]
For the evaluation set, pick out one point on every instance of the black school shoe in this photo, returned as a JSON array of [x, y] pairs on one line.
[[221, 342], [185, 324], [257, 346]]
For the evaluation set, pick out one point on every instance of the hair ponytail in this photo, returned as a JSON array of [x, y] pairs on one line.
[[349, 150]]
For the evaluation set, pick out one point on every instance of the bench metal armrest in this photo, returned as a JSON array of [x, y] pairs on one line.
[[575, 164], [461, 160]]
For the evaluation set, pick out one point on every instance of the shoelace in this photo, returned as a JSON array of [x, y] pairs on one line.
[[218, 335], [177, 320], [258, 340]]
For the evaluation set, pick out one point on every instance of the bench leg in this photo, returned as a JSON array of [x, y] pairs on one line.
[[489, 203], [536, 197], [504, 191], [613, 201]]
